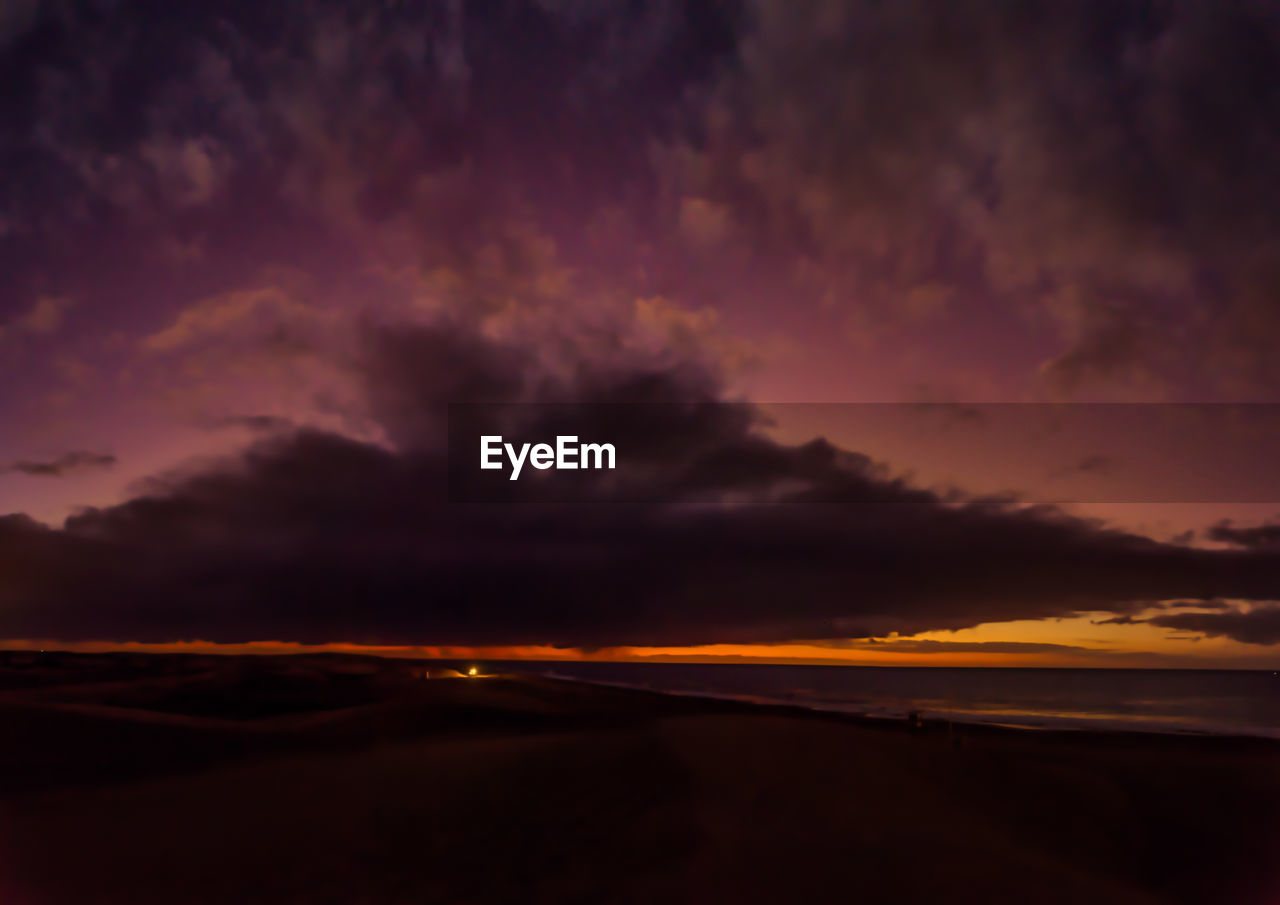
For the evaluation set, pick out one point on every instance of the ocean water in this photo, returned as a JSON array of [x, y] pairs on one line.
[[1230, 702]]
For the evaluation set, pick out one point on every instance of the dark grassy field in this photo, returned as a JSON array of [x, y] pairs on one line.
[[131, 779]]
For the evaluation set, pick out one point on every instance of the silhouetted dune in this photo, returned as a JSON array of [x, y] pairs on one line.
[[515, 789]]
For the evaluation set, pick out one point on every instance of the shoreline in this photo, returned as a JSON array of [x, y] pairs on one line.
[[1025, 720], [1103, 725]]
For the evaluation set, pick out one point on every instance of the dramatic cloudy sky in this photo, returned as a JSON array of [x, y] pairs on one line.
[[249, 253]]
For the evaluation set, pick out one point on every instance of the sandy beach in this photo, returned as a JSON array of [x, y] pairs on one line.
[[506, 789]]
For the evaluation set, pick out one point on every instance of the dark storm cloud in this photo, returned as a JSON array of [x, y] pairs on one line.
[[67, 463], [1260, 625], [1258, 536], [1074, 167], [311, 536]]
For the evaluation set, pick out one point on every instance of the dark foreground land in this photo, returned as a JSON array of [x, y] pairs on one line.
[[188, 780]]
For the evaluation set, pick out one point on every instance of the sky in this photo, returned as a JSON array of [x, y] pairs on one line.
[[967, 312]]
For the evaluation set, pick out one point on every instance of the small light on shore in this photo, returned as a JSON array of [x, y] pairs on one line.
[[472, 672]]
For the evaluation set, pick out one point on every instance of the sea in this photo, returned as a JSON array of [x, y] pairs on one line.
[[1220, 702]]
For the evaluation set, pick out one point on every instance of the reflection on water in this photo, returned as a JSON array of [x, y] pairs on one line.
[[1212, 701]]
